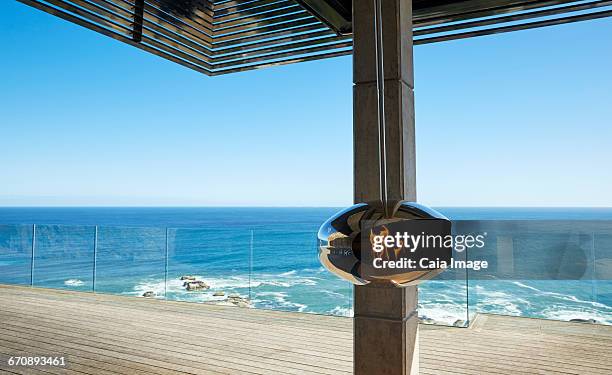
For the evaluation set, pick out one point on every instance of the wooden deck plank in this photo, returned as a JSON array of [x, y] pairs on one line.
[[109, 335], [185, 355], [217, 334], [81, 356], [179, 323]]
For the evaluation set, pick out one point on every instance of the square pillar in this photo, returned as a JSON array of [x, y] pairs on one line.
[[386, 322]]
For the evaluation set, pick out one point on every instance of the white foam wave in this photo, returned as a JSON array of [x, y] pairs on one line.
[[73, 282], [155, 286], [499, 306], [278, 300], [335, 294], [498, 302], [231, 282], [442, 313], [316, 270], [279, 296], [231, 285], [440, 304], [565, 297], [559, 313], [284, 280], [341, 311]]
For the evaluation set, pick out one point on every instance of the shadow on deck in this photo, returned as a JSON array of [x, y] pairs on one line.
[[105, 334]]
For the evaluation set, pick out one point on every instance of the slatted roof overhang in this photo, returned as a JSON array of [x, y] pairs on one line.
[[224, 36]]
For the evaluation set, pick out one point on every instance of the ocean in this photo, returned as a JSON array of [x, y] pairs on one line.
[[267, 258]]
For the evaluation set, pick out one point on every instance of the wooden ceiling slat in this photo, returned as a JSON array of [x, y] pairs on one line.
[[226, 36]]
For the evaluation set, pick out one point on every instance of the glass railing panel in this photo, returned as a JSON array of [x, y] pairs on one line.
[[287, 275], [602, 281], [209, 265], [443, 300], [15, 254], [543, 269], [64, 257], [131, 261]]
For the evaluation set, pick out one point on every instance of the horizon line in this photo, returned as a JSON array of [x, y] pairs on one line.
[[282, 206]]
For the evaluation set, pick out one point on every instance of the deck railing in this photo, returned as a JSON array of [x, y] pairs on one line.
[[546, 269]]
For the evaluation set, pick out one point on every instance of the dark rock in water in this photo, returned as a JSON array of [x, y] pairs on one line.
[[577, 320], [459, 323], [196, 285], [148, 294], [219, 293], [188, 277]]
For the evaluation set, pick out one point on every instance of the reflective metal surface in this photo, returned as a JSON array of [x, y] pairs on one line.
[[340, 241], [224, 36]]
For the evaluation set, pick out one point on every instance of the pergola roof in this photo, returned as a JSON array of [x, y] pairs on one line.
[[223, 36]]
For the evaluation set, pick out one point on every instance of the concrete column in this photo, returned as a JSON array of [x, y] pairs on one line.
[[386, 323]]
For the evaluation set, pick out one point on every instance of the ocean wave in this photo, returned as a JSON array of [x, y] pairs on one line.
[[315, 270], [279, 296], [565, 297], [300, 307], [157, 287], [440, 302], [284, 280], [497, 302], [522, 299], [74, 282], [499, 306], [278, 301], [231, 282], [341, 311], [176, 291], [289, 283], [335, 294], [442, 313], [565, 314], [269, 290]]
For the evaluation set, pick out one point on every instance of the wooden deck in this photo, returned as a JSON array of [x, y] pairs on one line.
[[104, 334]]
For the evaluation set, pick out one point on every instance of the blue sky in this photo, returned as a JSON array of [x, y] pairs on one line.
[[520, 119]]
